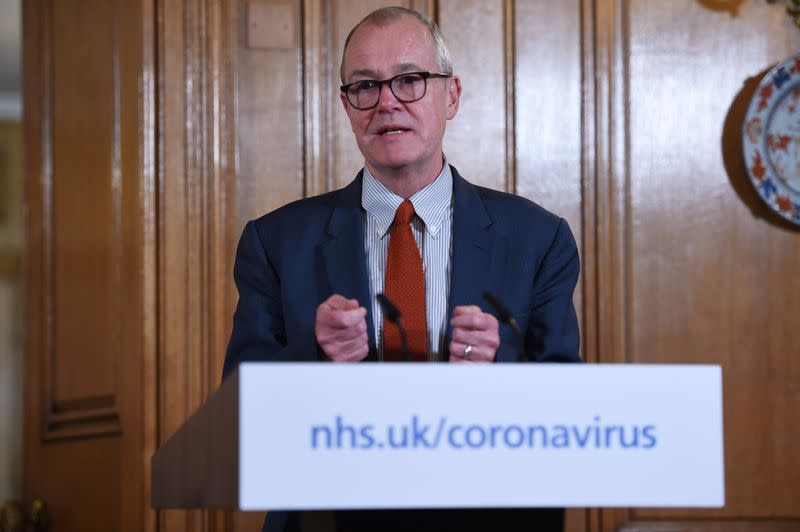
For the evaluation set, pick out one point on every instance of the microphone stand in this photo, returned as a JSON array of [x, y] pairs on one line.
[[392, 313], [507, 317]]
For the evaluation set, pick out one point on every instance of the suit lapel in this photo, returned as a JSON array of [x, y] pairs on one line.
[[343, 253], [473, 241]]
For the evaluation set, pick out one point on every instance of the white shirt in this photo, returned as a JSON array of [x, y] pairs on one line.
[[432, 229]]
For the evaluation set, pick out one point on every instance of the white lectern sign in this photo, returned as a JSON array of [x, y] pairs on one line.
[[337, 436]]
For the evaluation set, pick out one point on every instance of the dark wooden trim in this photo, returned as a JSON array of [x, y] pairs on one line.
[[33, 50], [317, 105], [509, 55], [609, 214], [85, 417], [764, 525]]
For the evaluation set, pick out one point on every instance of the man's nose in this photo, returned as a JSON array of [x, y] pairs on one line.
[[386, 98]]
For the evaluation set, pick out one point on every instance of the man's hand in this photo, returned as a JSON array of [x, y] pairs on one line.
[[341, 329], [475, 328]]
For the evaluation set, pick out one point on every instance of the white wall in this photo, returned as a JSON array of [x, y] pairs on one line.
[[10, 44], [11, 237]]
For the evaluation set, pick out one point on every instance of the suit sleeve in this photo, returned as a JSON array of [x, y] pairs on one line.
[[258, 323], [552, 334]]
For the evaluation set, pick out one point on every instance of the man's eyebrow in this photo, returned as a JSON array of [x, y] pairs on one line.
[[408, 67], [365, 72], [398, 69]]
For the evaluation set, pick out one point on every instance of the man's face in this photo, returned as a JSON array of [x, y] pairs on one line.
[[394, 135]]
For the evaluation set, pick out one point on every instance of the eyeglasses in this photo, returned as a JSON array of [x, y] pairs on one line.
[[409, 87]]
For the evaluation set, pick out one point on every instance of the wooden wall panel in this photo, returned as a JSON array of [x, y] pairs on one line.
[[85, 240], [183, 157], [710, 269], [476, 140], [197, 49], [270, 121], [549, 106], [136, 367], [604, 222]]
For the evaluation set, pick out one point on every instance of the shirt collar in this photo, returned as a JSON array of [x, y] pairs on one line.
[[430, 203]]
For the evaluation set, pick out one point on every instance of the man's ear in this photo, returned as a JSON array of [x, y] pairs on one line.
[[453, 96], [345, 103]]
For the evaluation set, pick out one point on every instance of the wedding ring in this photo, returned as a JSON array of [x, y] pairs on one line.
[[467, 351]]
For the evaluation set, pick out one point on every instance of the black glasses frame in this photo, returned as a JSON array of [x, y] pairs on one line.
[[425, 75]]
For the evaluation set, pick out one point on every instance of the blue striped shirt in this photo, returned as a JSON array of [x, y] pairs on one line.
[[432, 229]]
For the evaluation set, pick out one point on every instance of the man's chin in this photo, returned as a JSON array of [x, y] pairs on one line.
[[394, 164]]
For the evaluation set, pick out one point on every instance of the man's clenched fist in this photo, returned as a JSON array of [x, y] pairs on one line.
[[341, 329]]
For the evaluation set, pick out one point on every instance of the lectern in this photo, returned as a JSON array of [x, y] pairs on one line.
[[306, 436]]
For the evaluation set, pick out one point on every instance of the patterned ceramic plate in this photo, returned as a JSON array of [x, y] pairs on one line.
[[771, 139]]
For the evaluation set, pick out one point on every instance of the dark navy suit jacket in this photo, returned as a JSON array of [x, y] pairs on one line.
[[292, 259]]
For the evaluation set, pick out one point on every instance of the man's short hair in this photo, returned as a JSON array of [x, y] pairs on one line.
[[385, 15]]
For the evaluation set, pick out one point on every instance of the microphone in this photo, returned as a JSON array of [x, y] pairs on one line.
[[392, 313], [507, 317]]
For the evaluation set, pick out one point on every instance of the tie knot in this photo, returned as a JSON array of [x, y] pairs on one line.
[[404, 213]]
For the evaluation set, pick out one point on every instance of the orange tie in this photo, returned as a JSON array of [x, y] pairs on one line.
[[405, 286]]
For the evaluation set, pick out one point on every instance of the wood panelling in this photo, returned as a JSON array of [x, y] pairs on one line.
[[475, 141], [708, 269], [136, 365], [197, 48], [85, 242], [317, 107], [269, 114], [548, 101], [89, 251], [622, 116], [558, 129], [182, 156]]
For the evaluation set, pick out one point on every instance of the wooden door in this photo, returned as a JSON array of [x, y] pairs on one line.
[[90, 262]]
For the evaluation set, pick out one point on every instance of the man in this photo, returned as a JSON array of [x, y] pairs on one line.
[[410, 226]]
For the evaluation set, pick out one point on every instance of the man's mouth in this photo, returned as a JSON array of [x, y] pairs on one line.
[[391, 131]]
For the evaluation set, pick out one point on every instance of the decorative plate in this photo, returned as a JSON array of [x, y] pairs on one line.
[[771, 139]]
